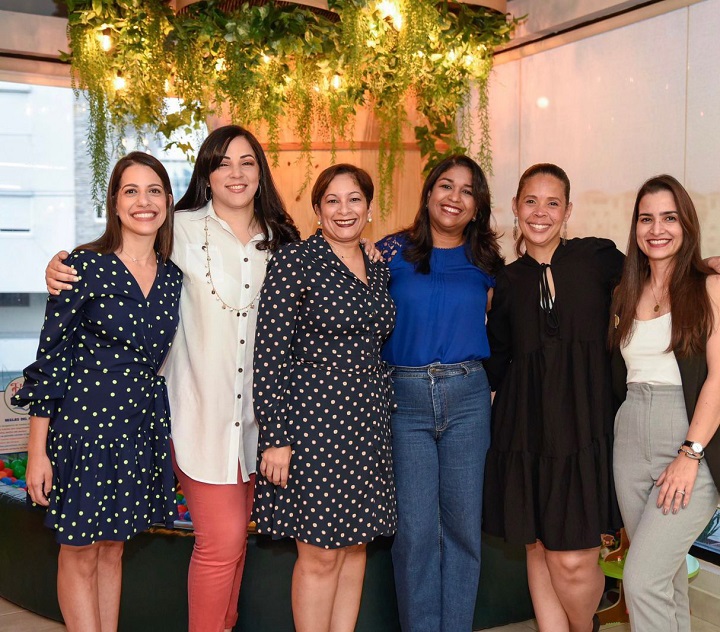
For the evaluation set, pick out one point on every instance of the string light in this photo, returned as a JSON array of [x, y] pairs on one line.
[[336, 82], [119, 82], [388, 9], [104, 38], [220, 64]]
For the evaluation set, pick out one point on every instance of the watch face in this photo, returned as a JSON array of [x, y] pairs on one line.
[[696, 447]]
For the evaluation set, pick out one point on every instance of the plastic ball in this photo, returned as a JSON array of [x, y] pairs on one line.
[[186, 516], [6, 479], [2, 465]]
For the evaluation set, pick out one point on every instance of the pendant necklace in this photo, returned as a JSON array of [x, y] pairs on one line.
[[656, 309], [237, 310], [133, 259]]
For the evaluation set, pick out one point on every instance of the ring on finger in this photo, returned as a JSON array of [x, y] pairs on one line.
[[681, 492]]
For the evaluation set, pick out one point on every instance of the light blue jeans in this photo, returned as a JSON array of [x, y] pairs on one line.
[[440, 435]]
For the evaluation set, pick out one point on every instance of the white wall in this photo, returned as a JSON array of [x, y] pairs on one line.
[[613, 110]]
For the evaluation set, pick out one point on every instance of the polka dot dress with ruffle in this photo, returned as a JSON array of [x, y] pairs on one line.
[[96, 378], [321, 387]]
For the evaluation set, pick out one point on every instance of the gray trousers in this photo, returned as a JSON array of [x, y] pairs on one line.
[[649, 428]]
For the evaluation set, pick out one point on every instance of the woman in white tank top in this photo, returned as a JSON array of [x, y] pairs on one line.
[[667, 316]]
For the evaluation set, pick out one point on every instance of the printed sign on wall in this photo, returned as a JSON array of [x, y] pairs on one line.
[[14, 426]]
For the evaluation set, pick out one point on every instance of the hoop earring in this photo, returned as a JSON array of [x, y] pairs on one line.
[[563, 237], [208, 197], [516, 230], [259, 191]]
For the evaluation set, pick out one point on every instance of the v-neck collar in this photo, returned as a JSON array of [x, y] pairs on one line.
[[325, 251], [135, 281]]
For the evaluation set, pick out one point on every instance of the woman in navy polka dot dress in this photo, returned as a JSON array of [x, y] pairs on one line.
[[321, 399], [98, 455]]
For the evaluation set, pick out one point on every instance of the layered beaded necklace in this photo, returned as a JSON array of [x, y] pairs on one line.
[[208, 274]]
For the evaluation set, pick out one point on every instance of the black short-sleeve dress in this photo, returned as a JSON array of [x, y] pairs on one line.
[[96, 378], [321, 387], [549, 467]]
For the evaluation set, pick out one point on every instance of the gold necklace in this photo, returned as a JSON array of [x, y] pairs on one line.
[[133, 259], [216, 294], [656, 309]]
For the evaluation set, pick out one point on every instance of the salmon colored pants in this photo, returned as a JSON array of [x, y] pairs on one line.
[[220, 515]]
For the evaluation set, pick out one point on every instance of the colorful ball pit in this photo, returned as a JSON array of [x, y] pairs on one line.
[[13, 472]]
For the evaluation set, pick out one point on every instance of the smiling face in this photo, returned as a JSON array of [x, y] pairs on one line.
[[141, 201], [541, 208], [235, 181], [343, 211], [451, 206], [658, 231]]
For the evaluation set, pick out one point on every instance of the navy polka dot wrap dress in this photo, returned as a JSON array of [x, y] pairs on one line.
[[96, 378]]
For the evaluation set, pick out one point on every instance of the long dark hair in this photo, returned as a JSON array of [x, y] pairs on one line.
[[269, 210], [480, 238], [111, 239], [545, 169], [692, 316]]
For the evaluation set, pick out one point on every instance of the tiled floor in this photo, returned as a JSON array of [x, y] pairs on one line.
[[526, 626], [15, 619]]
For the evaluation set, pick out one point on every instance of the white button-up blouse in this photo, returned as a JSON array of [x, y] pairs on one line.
[[209, 370]]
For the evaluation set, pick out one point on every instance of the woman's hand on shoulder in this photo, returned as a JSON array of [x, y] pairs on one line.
[[275, 465], [676, 484], [714, 263], [58, 276], [39, 477], [371, 250]]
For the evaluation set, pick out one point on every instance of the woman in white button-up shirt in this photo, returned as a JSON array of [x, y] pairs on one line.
[[232, 220], [235, 219]]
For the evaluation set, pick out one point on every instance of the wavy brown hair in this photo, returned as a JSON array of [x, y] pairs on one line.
[[481, 241], [111, 240], [692, 316]]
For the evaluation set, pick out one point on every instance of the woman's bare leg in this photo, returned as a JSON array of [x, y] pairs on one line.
[[349, 589], [549, 611], [579, 583]]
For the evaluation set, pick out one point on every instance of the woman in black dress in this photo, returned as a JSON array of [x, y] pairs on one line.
[[321, 399], [549, 468], [98, 454]]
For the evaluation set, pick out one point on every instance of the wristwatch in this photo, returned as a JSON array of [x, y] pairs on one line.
[[697, 448]]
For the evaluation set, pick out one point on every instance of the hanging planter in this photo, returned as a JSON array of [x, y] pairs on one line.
[[309, 64]]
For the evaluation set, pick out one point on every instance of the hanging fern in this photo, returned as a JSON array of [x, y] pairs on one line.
[[265, 63]]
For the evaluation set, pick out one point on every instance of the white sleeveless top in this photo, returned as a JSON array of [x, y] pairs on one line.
[[646, 355]]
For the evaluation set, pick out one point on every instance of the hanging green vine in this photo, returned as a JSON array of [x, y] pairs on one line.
[[266, 64]]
